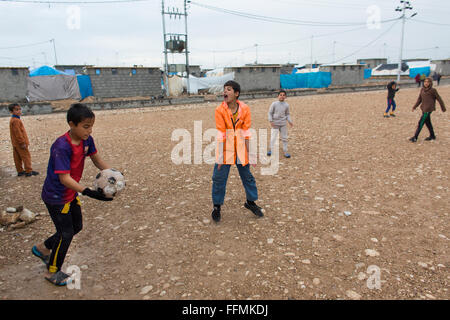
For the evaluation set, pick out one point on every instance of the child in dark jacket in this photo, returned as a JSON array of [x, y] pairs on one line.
[[392, 89], [427, 101]]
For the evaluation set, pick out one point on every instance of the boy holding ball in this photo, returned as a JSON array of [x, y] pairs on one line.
[[61, 187]]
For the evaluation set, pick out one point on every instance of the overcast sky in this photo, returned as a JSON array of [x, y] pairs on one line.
[[124, 34]]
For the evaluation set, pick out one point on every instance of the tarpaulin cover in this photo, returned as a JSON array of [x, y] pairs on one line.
[[305, 80], [45, 71], [47, 88], [85, 85], [414, 71], [196, 84], [367, 73]]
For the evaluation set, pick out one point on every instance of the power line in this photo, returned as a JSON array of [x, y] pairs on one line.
[[284, 21], [368, 44], [73, 2], [26, 45]]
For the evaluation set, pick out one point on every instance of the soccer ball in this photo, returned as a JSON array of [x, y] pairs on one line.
[[110, 181]]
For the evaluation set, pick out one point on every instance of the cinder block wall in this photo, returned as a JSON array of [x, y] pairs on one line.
[[256, 78], [13, 84], [145, 82], [443, 67], [345, 75]]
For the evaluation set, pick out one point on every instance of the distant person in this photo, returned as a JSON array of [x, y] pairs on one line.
[[438, 78], [422, 79], [417, 78], [279, 117], [20, 142], [233, 121], [392, 89], [427, 101]]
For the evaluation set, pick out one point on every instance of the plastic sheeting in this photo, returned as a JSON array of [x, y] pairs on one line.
[[305, 80], [47, 88], [85, 85], [45, 71], [367, 73], [213, 83], [422, 70]]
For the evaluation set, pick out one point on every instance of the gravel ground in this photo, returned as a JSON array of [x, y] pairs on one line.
[[356, 202]]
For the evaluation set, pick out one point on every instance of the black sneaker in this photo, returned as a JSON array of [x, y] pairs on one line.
[[413, 139], [216, 214], [254, 208], [430, 138], [22, 173], [32, 173]]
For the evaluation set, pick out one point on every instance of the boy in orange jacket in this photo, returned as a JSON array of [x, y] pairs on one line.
[[20, 142], [233, 121]]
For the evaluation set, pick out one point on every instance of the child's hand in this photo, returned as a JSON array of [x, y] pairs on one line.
[[23, 146], [271, 124], [291, 124], [95, 194]]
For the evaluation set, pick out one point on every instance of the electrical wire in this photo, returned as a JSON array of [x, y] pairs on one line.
[[367, 45], [26, 45], [284, 21]]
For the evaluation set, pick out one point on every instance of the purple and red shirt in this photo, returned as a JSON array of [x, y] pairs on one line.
[[65, 157]]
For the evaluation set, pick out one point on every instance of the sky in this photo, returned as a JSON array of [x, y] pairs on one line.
[[220, 33]]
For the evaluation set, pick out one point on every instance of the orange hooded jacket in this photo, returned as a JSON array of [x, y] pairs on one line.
[[231, 135]]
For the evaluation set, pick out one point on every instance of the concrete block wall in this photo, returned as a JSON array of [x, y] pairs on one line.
[[125, 83], [345, 75], [13, 84], [442, 67], [256, 78]]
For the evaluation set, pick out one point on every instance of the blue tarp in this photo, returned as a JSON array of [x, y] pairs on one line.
[[414, 71], [305, 80], [367, 73], [45, 71], [85, 85]]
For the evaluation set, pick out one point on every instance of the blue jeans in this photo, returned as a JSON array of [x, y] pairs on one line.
[[391, 102], [220, 178]]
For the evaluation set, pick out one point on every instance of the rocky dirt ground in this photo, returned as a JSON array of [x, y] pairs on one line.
[[157, 241]]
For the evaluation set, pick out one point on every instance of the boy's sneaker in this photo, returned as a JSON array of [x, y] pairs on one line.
[[430, 138], [269, 153], [254, 208], [22, 173], [216, 214], [392, 114], [413, 139], [287, 155], [32, 173], [386, 115]]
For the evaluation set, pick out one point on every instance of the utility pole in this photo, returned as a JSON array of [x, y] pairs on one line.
[[54, 50], [175, 42], [406, 5], [312, 52], [334, 51], [256, 52]]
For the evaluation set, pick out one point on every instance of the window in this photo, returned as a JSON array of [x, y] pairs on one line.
[[351, 67], [97, 71], [114, 71], [15, 72], [250, 69], [274, 69], [150, 71], [343, 67], [239, 70], [263, 69], [334, 67]]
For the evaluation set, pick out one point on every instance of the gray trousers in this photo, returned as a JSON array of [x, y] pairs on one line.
[[284, 136]]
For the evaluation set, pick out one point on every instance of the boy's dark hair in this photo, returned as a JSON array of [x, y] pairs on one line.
[[12, 106], [78, 112], [236, 86], [281, 91]]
